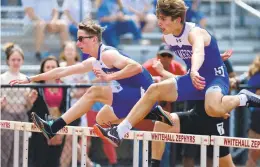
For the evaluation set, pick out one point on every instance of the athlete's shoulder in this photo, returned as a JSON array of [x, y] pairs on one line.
[[110, 53]]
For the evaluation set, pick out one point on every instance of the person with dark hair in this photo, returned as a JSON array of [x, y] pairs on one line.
[[121, 82], [41, 17], [52, 102], [15, 102]]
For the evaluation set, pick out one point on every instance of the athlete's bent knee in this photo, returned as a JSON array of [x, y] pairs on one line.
[[92, 93], [214, 110], [153, 92]]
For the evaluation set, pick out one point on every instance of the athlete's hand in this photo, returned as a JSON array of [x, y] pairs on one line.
[[197, 80], [226, 55], [226, 116], [100, 74], [157, 65], [233, 83], [19, 81]]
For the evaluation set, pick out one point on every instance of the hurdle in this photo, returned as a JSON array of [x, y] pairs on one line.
[[137, 136], [237, 142]]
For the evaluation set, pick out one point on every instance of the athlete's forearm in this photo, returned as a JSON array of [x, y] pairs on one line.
[[128, 71], [197, 60], [50, 75]]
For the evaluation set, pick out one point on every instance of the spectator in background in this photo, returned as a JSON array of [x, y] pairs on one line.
[[50, 101], [72, 13], [166, 57], [44, 16], [193, 14], [68, 57], [142, 12], [111, 16], [15, 102], [254, 131]]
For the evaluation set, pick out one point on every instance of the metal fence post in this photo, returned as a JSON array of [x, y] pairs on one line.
[[203, 151], [136, 151], [16, 146], [84, 148], [232, 21], [25, 148], [74, 148], [213, 14], [214, 142], [145, 150]]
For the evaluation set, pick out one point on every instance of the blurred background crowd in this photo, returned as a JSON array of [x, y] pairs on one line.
[[40, 35]]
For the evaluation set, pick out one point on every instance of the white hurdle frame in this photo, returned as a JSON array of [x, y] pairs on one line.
[[237, 142], [145, 136]]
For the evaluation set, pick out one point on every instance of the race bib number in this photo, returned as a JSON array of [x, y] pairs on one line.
[[220, 128], [219, 71]]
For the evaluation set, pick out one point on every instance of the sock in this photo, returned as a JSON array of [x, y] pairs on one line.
[[155, 163], [242, 99], [57, 125], [123, 128]]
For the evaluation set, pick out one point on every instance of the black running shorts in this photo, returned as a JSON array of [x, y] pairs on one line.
[[198, 122]]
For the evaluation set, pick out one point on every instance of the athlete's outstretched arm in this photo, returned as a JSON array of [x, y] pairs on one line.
[[197, 40], [113, 58], [59, 72]]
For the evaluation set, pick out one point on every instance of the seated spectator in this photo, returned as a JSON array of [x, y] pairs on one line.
[[50, 101], [44, 16], [254, 131], [142, 12], [72, 16], [110, 15], [15, 103], [193, 14]]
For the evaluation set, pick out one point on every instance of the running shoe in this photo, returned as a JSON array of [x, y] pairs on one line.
[[44, 126], [158, 114], [110, 134], [253, 100]]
